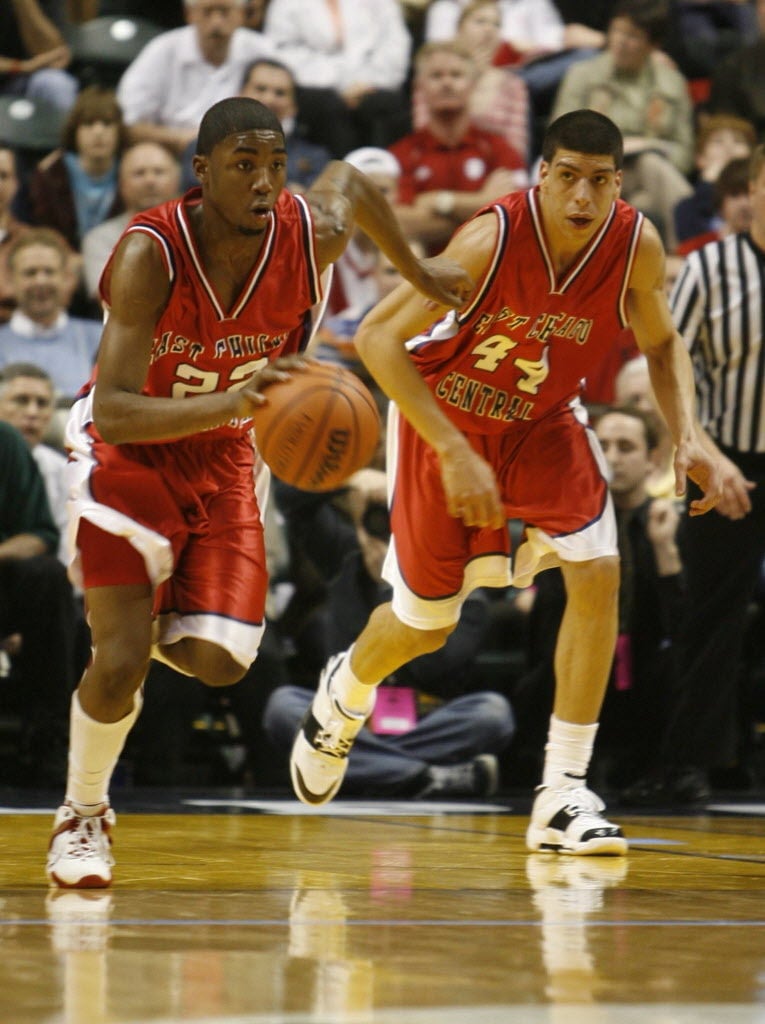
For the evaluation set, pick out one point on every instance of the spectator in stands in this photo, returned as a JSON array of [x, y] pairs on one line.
[[720, 138], [732, 206], [351, 63], [449, 751], [632, 390], [651, 595], [335, 335], [149, 175], [534, 28], [27, 402], [354, 287], [449, 167], [499, 101], [37, 618], [650, 103], [180, 73], [34, 54], [75, 187], [542, 46], [273, 84], [40, 330], [10, 227]]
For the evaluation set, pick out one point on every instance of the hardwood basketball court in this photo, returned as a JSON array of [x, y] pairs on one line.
[[230, 910]]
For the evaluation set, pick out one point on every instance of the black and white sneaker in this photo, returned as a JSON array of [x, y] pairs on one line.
[[319, 757], [570, 821]]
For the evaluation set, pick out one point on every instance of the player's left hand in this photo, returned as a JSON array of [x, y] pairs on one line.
[[444, 281]]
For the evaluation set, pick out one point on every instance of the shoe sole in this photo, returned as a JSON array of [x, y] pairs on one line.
[[542, 840], [87, 882]]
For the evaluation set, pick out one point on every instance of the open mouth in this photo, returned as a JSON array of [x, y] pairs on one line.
[[580, 221]]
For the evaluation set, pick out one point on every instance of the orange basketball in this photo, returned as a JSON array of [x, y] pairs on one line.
[[318, 427]]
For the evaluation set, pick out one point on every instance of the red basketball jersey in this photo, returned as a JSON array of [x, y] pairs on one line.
[[529, 336], [199, 346]]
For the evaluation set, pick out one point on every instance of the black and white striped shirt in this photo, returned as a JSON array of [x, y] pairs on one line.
[[717, 305]]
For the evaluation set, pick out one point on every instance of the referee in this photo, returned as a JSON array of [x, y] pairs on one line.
[[718, 304]]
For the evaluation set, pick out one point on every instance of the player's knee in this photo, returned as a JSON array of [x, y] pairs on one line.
[[118, 670], [216, 667], [425, 641], [594, 581]]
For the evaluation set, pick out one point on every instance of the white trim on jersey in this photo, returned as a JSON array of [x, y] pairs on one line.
[[167, 253], [581, 262], [321, 294]]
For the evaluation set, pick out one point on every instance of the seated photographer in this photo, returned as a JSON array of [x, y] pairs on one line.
[[429, 737]]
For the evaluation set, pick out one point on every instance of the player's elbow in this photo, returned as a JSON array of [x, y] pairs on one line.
[[108, 421]]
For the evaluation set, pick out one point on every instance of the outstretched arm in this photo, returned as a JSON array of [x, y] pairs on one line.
[[671, 373], [342, 198]]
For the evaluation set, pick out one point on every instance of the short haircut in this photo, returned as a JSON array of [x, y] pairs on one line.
[[427, 50], [584, 131], [93, 103], [232, 115], [652, 430], [650, 16], [267, 62], [39, 236], [14, 370], [733, 180]]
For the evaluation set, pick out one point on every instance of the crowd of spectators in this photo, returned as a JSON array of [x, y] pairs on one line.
[[442, 103]]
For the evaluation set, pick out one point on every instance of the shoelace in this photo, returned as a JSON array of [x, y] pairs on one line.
[[84, 837], [582, 801]]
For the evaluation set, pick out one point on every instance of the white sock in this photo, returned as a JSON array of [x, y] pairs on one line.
[[567, 753], [355, 696], [94, 748]]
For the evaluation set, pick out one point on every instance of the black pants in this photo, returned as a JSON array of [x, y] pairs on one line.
[[36, 600], [722, 562], [380, 118]]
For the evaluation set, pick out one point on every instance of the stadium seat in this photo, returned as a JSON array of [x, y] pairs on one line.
[[30, 124], [104, 46]]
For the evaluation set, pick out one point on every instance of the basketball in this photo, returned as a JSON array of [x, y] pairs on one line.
[[318, 427]]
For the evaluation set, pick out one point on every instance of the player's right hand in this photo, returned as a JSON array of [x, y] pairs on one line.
[[471, 489], [278, 370]]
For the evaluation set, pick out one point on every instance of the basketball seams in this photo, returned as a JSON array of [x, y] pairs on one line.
[[301, 449]]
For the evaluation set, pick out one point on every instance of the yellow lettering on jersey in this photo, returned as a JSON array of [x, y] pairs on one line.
[[492, 351]]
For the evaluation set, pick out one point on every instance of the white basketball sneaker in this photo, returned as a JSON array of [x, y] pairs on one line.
[[80, 851], [319, 757], [569, 821]]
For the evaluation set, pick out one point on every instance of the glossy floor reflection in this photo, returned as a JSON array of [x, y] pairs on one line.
[[357, 915]]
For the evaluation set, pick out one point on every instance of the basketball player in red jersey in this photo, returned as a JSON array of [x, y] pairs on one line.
[[487, 425], [207, 298]]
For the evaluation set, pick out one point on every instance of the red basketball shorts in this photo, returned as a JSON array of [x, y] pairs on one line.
[[552, 477], [190, 510]]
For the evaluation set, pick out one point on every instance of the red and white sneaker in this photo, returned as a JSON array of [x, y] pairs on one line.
[[80, 851]]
